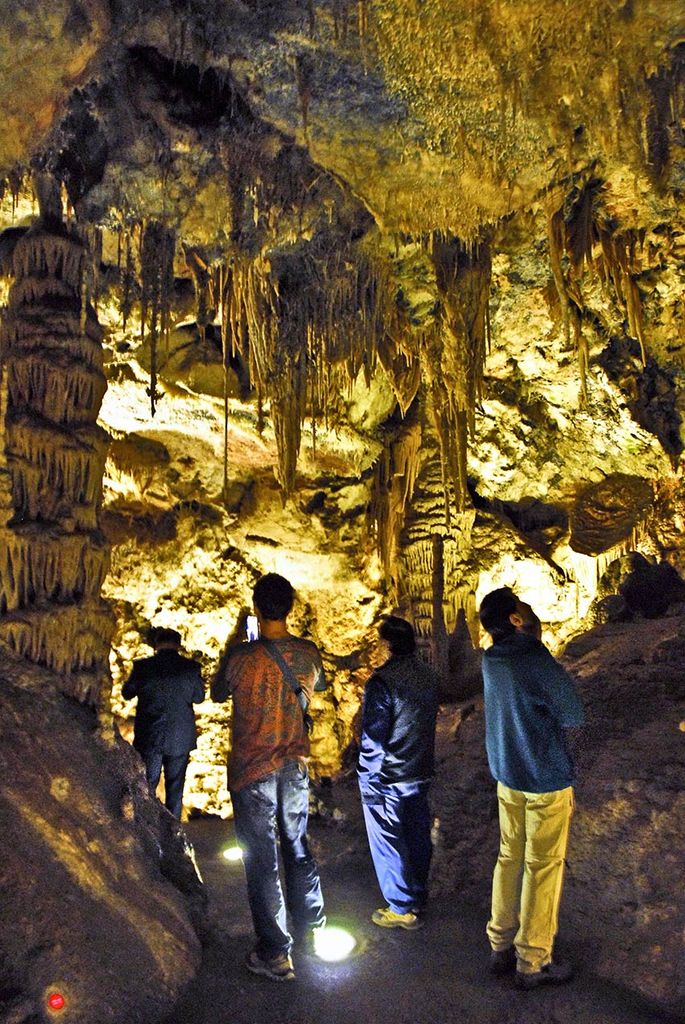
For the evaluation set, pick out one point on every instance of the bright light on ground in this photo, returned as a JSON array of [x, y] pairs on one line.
[[233, 853], [333, 943]]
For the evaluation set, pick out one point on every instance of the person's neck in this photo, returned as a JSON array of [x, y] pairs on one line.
[[274, 629]]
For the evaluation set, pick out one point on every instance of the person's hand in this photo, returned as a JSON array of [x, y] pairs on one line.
[[239, 634], [218, 687]]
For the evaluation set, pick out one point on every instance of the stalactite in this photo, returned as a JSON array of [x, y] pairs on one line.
[[53, 558], [363, 28], [439, 646], [424, 520], [223, 319], [91, 276], [394, 480], [73, 642], [204, 291], [157, 248], [454, 354], [304, 73], [128, 278], [307, 320], [62, 391], [15, 181], [555, 239], [619, 264], [37, 567], [575, 231], [403, 369], [66, 467]]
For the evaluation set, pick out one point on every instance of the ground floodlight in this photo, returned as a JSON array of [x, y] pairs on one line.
[[233, 854], [333, 944]]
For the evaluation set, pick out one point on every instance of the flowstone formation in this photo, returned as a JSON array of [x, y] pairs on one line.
[[391, 301]]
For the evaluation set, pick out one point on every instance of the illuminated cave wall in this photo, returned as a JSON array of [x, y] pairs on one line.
[[557, 493], [399, 325]]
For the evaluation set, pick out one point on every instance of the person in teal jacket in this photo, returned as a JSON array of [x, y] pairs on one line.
[[530, 701]]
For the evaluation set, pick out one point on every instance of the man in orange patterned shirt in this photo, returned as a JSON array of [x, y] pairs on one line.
[[268, 778]]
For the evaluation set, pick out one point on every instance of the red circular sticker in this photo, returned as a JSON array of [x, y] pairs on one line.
[[56, 1001]]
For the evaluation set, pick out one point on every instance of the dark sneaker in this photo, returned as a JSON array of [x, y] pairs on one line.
[[503, 961], [387, 918], [279, 968], [550, 974]]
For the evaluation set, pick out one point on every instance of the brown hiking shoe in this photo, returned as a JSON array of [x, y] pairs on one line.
[[278, 968]]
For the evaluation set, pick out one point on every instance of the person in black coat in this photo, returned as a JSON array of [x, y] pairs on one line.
[[395, 769], [166, 685]]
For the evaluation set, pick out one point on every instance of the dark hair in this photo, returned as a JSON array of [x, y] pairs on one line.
[[273, 596], [162, 635], [398, 634], [495, 609]]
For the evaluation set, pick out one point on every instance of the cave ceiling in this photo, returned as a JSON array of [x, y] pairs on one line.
[[403, 278]]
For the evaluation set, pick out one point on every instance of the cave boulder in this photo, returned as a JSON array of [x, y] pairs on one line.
[[87, 912]]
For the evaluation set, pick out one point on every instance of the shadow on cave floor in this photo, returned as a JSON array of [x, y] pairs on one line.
[[435, 975]]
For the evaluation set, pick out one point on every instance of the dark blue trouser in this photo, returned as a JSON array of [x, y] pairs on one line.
[[272, 808], [398, 826], [174, 778]]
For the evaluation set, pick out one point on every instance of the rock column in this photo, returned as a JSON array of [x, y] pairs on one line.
[[53, 556]]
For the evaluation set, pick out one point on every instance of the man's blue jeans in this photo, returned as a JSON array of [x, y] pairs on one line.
[[272, 808], [398, 826]]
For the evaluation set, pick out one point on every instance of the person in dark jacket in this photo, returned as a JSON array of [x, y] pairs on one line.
[[529, 701], [395, 768], [166, 685]]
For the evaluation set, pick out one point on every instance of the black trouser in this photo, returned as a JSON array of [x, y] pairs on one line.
[[174, 777]]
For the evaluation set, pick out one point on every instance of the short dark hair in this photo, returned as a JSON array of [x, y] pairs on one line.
[[398, 634], [494, 612], [162, 635], [273, 596]]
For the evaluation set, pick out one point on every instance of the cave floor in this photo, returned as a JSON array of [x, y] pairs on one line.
[[438, 974]]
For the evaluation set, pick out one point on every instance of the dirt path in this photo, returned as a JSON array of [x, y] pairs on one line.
[[434, 976]]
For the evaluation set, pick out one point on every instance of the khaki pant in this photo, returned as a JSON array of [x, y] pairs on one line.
[[528, 876]]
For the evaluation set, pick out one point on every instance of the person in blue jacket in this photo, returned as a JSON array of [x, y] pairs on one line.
[[166, 685], [530, 701], [395, 769]]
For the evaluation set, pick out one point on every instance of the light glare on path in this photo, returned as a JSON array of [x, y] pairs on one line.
[[333, 944]]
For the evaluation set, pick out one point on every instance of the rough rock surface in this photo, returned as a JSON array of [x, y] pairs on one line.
[[86, 909]]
